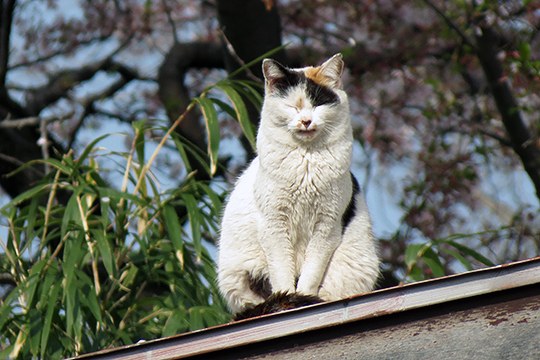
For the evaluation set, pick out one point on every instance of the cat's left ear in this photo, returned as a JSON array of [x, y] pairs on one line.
[[274, 74], [332, 69]]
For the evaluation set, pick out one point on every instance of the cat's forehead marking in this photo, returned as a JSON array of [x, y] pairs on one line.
[[316, 75], [299, 102]]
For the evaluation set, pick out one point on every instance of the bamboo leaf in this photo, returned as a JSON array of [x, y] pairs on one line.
[[412, 253], [29, 194], [194, 220], [470, 252], [183, 154], [176, 323], [433, 262], [212, 130], [241, 112], [174, 229], [89, 148], [105, 249], [457, 255], [185, 147], [53, 293], [195, 318]]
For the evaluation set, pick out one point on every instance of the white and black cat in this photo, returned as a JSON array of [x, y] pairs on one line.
[[296, 222]]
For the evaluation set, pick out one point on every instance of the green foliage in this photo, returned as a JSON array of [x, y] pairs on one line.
[[430, 259], [95, 265]]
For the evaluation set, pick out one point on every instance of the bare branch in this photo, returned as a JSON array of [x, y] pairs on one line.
[[56, 53], [6, 13], [450, 23], [233, 54], [9, 123], [89, 102], [170, 20]]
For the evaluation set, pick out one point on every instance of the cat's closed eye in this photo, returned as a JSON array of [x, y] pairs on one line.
[[294, 107]]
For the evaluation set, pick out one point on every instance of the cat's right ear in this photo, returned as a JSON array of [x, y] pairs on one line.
[[274, 74]]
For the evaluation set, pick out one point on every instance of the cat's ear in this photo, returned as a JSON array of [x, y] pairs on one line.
[[332, 69], [274, 74]]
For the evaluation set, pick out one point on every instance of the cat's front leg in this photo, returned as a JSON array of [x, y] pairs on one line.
[[275, 239], [318, 254]]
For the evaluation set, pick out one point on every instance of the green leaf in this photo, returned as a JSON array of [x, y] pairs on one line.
[[248, 90], [71, 215], [105, 249], [194, 220], [117, 195], [183, 154], [29, 194], [34, 327], [88, 297], [53, 293], [457, 255], [196, 318], [34, 280], [468, 251], [212, 130], [257, 60], [72, 304], [89, 148], [524, 51], [31, 218], [174, 229], [412, 253], [240, 110], [176, 323], [184, 147], [433, 262]]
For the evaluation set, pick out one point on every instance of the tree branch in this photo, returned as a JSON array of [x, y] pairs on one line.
[[6, 13], [173, 92], [60, 83], [450, 23], [523, 142]]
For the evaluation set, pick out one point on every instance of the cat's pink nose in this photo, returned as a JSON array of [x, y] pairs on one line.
[[306, 123]]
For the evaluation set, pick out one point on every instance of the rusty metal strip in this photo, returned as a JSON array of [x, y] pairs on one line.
[[381, 302]]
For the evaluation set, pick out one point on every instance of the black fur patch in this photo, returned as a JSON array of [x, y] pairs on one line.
[[260, 286], [318, 94], [278, 302], [289, 79], [350, 211]]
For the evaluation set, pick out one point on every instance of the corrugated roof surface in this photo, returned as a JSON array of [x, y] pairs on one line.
[[490, 313]]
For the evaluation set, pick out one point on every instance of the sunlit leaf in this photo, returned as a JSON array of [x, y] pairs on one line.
[[241, 112], [212, 130], [174, 230]]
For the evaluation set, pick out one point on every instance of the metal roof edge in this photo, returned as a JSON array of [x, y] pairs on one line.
[[296, 321]]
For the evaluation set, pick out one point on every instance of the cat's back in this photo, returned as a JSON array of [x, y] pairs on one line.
[[241, 203]]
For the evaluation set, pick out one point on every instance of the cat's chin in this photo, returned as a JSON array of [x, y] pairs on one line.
[[306, 134]]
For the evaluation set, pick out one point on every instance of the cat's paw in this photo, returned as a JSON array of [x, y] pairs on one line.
[[239, 302], [307, 289]]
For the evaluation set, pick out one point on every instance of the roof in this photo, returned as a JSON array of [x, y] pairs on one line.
[[490, 313]]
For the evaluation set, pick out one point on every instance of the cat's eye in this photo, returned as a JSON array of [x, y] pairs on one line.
[[293, 107]]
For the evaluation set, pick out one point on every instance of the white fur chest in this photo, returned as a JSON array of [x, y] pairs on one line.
[[301, 185]]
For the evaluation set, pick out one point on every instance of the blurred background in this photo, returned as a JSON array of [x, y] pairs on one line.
[[134, 118]]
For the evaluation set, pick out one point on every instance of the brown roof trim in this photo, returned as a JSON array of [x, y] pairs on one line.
[[382, 302]]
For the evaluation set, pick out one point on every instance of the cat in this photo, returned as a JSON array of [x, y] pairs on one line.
[[296, 221]]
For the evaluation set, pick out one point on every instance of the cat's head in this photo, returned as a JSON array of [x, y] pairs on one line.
[[306, 103]]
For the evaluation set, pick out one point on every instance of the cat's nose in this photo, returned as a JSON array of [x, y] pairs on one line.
[[306, 123]]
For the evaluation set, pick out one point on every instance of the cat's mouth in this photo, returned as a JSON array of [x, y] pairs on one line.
[[306, 133]]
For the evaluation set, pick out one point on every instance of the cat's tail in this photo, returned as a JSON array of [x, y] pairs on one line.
[[278, 302]]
